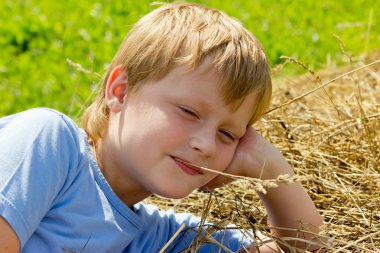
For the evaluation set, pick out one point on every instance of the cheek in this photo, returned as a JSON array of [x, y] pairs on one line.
[[224, 157], [155, 127]]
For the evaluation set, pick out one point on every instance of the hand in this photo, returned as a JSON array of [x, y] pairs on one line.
[[254, 157]]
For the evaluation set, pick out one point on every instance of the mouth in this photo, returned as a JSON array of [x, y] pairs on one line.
[[187, 167]]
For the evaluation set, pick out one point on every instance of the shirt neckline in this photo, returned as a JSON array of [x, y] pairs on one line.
[[125, 211]]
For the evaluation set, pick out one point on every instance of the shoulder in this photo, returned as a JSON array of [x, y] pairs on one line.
[[42, 141], [38, 117], [38, 122], [41, 131], [41, 150]]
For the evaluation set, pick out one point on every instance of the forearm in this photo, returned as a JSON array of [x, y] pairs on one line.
[[292, 214]]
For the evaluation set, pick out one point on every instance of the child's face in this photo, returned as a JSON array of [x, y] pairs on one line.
[[181, 117]]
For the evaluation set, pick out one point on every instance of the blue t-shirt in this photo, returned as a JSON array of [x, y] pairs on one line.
[[55, 197]]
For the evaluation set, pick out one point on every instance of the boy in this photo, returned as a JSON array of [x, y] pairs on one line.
[[181, 94]]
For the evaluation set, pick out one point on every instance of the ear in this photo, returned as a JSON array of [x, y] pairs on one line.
[[116, 89]]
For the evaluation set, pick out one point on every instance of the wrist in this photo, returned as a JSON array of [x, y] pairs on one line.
[[274, 165]]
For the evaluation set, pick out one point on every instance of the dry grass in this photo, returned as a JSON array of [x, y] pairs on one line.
[[332, 139]]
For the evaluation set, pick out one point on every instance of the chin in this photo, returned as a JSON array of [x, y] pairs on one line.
[[173, 193]]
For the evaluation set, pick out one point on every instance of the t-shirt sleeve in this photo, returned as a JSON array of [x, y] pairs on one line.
[[37, 152], [160, 226]]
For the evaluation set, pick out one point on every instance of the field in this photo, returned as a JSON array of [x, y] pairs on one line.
[[53, 54], [42, 42]]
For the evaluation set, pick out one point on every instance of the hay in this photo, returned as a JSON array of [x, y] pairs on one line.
[[331, 137]]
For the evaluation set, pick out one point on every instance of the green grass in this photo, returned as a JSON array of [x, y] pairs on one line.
[[36, 38]]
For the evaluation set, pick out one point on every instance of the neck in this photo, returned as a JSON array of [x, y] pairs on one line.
[[120, 181]]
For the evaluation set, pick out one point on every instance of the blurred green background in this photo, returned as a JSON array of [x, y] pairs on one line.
[[42, 43]]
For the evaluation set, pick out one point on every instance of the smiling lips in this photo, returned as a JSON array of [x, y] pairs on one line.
[[187, 168]]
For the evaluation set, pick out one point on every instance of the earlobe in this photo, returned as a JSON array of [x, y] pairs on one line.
[[116, 89]]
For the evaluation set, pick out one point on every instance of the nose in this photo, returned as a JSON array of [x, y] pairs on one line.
[[204, 142]]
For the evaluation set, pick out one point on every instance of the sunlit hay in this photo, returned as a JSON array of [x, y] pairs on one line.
[[333, 143]]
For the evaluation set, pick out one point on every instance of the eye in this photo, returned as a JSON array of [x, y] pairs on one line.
[[188, 112], [228, 135]]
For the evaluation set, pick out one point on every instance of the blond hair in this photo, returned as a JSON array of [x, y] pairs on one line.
[[185, 34]]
